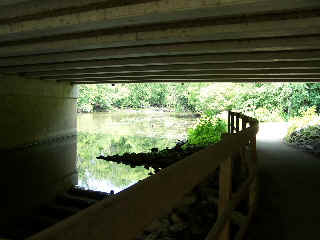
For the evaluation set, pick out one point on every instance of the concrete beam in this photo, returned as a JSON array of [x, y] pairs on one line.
[[191, 77], [182, 74], [50, 19], [279, 67], [240, 80], [11, 2], [254, 57], [177, 49], [35, 10], [193, 31]]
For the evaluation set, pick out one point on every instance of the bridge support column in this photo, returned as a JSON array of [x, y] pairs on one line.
[[37, 143]]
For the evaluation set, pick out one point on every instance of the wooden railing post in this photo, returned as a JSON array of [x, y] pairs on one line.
[[228, 201], [253, 170], [229, 122], [237, 122], [232, 123], [244, 123], [225, 191]]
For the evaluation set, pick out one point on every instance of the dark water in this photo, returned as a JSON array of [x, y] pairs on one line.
[[120, 132]]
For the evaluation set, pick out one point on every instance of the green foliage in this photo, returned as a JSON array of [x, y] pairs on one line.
[[266, 101], [265, 115], [95, 98], [208, 130], [307, 122], [307, 135]]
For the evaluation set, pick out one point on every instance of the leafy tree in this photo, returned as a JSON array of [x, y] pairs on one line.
[[273, 99]]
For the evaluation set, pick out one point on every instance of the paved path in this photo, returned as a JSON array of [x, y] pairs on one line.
[[290, 189]]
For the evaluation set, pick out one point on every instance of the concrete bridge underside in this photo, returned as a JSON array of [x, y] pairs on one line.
[[102, 41], [46, 45]]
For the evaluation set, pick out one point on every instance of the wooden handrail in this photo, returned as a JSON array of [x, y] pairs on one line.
[[153, 197], [236, 117], [221, 229], [227, 213]]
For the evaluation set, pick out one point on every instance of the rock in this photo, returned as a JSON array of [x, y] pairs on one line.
[[154, 150], [191, 219], [167, 238], [207, 192], [165, 221], [183, 210], [154, 226], [196, 229], [152, 236], [308, 147], [316, 148], [213, 200], [177, 227], [175, 219], [188, 200]]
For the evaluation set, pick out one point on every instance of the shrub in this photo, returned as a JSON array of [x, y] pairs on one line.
[[309, 118], [207, 131], [265, 115], [85, 107], [307, 135]]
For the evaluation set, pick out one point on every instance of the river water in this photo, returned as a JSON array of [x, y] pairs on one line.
[[119, 132]]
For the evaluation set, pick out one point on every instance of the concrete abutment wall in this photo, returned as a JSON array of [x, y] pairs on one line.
[[37, 143]]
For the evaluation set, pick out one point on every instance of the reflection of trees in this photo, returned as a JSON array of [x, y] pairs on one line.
[[92, 145], [82, 173], [118, 175], [119, 147], [150, 143]]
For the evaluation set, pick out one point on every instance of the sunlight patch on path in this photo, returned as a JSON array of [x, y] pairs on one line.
[[272, 131]]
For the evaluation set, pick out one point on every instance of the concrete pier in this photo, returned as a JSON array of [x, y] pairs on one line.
[[38, 143]]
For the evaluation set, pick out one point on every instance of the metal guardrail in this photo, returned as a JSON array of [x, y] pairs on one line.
[[124, 215]]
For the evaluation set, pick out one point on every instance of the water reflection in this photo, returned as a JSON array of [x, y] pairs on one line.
[[120, 132]]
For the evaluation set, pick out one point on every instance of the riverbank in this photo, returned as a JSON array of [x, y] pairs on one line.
[[111, 133], [144, 110]]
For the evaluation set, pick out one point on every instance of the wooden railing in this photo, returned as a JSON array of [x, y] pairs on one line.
[[238, 124], [126, 214]]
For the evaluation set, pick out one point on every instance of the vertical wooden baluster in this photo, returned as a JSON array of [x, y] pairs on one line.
[[243, 162], [244, 123], [232, 122], [237, 123], [225, 191], [253, 170], [229, 122]]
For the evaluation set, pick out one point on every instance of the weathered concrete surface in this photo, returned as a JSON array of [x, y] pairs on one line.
[[254, 60], [51, 35], [10, 2], [152, 11], [164, 33], [35, 112], [32, 110], [235, 45], [221, 68]]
